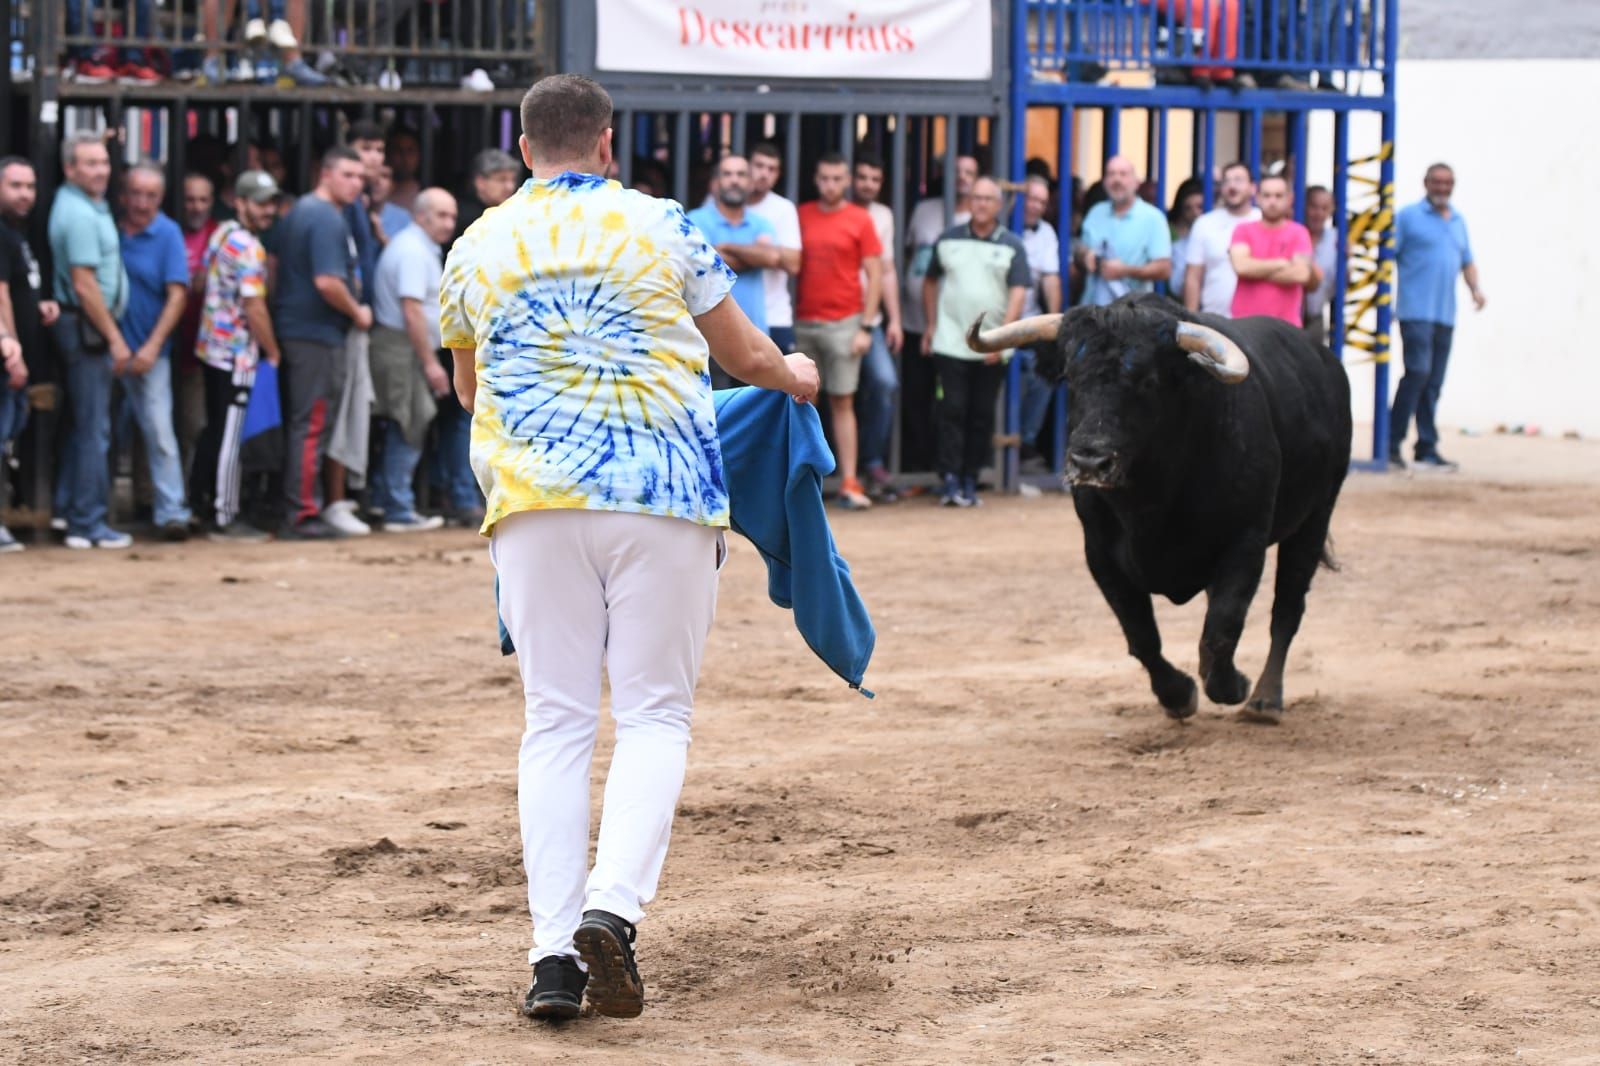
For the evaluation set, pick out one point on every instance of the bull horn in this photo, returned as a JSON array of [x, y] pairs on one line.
[[1220, 357], [1036, 329]]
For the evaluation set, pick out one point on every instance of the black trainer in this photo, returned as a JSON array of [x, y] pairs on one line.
[[557, 990], [1435, 461], [606, 944]]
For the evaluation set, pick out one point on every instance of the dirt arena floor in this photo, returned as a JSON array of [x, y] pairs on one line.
[[257, 805]]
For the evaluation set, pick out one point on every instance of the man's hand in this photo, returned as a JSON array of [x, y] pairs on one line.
[[895, 338], [1478, 299], [1113, 269], [363, 319], [438, 380], [807, 383], [49, 311], [120, 354], [861, 343], [1091, 262], [927, 343], [11, 356], [142, 360], [991, 358]]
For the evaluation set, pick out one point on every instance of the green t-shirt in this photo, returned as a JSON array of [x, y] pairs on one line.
[[82, 234], [976, 276]]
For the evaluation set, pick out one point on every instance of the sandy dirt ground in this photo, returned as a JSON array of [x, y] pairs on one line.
[[257, 805]]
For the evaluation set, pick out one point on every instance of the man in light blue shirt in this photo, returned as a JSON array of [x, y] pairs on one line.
[[1125, 244], [1431, 248], [746, 241]]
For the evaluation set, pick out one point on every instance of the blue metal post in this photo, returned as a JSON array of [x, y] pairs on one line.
[[1209, 157], [1011, 455], [1112, 133], [1068, 149], [1297, 159], [1341, 219], [1255, 141]]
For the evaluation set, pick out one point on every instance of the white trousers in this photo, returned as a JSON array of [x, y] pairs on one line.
[[638, 592]]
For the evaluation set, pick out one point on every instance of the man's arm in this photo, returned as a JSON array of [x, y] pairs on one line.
[[749, 354], [422, 344], [741, 257], [171, 312], [1470, 273], [92, 305], [891, 304], [259, 320], [466, 376], [15, 370], [336, 294], [1313, 273], [1194, 279], [874, 295], [1155, 270], [8, 318], [1050, 288]]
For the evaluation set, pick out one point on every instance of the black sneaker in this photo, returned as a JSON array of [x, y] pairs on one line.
[[606, 944], [1396, 461], [1435, 461], [557, 990], [310, 529], [175, 531]]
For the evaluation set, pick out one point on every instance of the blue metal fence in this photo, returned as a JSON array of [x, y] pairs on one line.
[[1274, 36]]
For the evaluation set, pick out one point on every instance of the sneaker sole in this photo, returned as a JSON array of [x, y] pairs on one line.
[[612, 991], [552, 1009]]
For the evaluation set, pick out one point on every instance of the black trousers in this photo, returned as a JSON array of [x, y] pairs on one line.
[[969, 389], [215, 483], [919, 431]]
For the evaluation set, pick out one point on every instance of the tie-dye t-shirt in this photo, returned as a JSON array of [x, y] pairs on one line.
[[594, 390]]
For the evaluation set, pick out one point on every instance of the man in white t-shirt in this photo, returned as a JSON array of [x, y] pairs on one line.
[[766, 167], [917, 380], [1325, 251], [1208, 279], [1044, 297], [879, 378]]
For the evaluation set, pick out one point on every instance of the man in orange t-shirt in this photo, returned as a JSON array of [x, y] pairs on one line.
[[838, 243]]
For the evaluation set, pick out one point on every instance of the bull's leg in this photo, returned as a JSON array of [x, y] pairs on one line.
[[1298, 556], [1174, 689], [1227, 604]]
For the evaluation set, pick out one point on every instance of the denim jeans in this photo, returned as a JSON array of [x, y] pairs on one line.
[[391, 478], [875, 397], [85, 477], [150, 395], [13, 411], [1036, 394], [1427, 355], [78, 26], [450, 465]]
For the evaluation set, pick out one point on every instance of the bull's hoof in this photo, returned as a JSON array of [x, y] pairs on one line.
[[1228, 687], [1262, 711], [1180, 700]]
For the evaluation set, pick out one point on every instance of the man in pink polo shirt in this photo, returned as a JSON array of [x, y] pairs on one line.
[[1273, 258]]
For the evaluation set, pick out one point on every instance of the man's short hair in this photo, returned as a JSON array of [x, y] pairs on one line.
[[768, 149], [1440, 166], [1238, 164], [149, 168], [869, 159], [402, 132], [195, 175], [1275, 177], [9, 161], [339, 153], [70, 146], [831, 159], [492, 161], [1312, 190], [1040, 180], [364, 130], [563, 115]]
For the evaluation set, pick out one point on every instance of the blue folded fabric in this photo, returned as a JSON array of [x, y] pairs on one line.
[[774, 457]]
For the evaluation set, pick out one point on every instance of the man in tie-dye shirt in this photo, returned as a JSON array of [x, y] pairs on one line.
[[581, 317]]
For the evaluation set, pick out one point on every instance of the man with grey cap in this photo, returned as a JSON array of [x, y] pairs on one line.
[[235, 332], [407, 376]]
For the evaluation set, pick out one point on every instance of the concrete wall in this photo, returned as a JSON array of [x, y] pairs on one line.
[[1524, 140]]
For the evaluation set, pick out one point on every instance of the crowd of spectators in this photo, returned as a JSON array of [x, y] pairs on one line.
[[268, 363]]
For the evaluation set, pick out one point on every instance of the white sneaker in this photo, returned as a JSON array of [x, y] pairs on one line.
[[389, 80], [58, 524], [341, 515], [8, 543], [419, 524], [255, 31], [281, 37], [478, 81], [112, 540]]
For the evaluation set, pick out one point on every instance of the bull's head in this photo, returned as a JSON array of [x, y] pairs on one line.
[[1131, 372]]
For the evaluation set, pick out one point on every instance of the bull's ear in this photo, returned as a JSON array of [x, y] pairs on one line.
[[1216, 354]]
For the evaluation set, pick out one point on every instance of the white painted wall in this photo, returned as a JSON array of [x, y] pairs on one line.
[[1524, 139]]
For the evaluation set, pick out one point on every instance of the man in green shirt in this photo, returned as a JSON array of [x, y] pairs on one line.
[[978, 268]]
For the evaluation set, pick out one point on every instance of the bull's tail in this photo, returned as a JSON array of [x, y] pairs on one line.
[[1327, 558]]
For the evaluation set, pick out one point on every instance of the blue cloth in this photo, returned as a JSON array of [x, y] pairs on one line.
[[83, 488], [880, 382], [394, 218], [1139, 237], [359, 223], [264, 410], [312, 241], [153, 258], [391, 478], [1430, 251], [749, 291], [150, 399], [774, 457]]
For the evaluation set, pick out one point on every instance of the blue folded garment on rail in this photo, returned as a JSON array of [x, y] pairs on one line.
[[774, 457]]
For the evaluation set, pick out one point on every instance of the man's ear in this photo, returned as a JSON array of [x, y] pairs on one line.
[[603, 150], [527, 153]]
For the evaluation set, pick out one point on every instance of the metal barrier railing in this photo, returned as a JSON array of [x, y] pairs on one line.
[[1278, 36], [427, 42]]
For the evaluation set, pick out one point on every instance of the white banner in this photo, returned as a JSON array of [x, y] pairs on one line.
[[931, 40]]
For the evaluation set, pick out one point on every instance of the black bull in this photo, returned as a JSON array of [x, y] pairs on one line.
[[1196, 443]]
